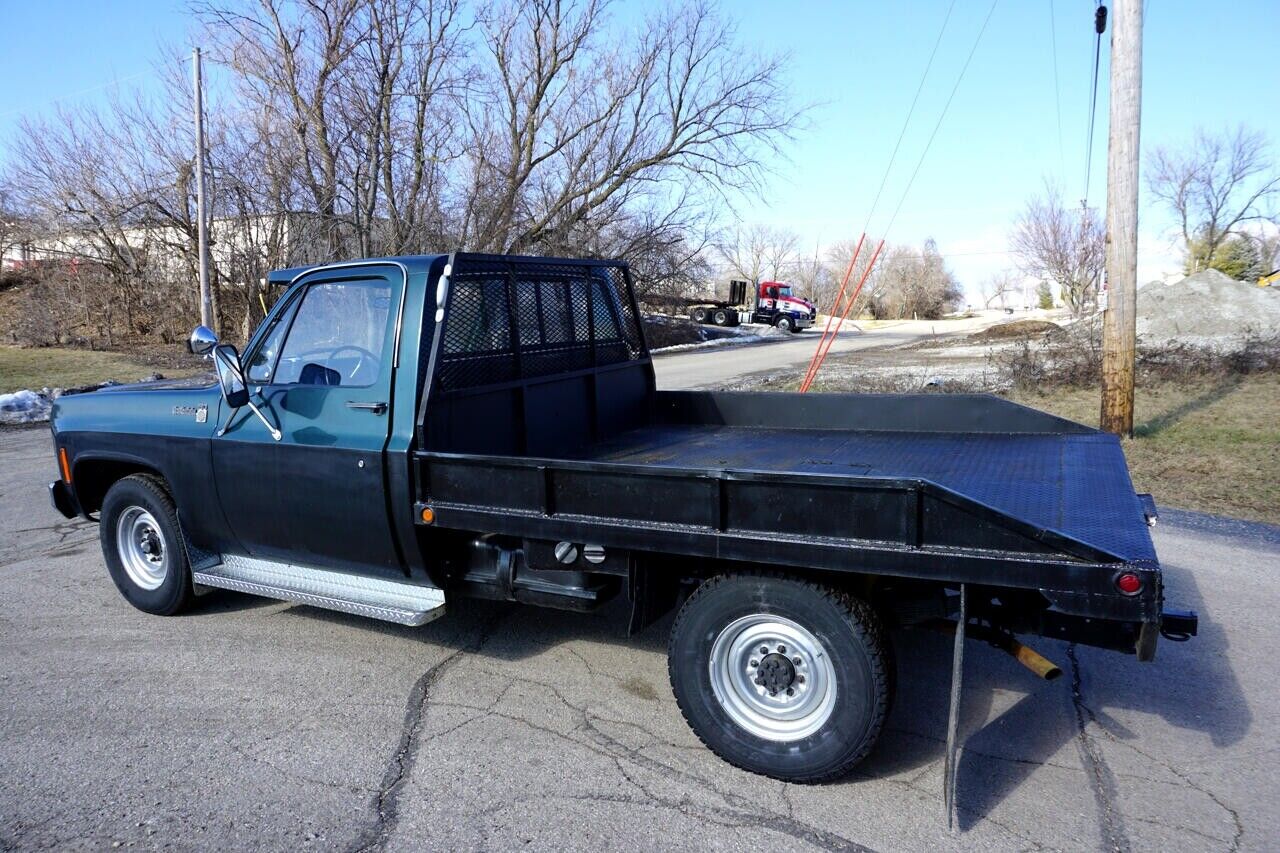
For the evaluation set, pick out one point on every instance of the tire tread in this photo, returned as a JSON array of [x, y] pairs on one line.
[[864, 622]]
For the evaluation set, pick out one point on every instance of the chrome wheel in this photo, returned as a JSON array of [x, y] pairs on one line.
[[773, 677], [141, 546]]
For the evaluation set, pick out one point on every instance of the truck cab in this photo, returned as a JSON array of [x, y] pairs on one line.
[[777, 305]]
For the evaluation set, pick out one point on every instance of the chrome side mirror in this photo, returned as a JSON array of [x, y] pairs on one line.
[[234, 389], [202, 340]]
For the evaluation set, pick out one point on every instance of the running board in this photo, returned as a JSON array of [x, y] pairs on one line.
[[377, 598]]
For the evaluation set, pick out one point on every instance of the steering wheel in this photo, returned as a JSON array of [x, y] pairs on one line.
[[360, 351]]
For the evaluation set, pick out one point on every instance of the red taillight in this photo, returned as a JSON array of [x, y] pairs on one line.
[[65, 465], [1129, 583]]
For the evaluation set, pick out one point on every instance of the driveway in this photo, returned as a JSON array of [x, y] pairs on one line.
[[712, 367], [253, 724]]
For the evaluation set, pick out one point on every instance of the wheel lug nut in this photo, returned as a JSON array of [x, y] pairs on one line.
[[791, 691], [799, 679], [782, 650], [755, 663], [796, 660], [764, 650]]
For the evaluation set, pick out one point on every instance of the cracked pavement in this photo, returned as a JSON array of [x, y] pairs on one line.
[[256, 724]]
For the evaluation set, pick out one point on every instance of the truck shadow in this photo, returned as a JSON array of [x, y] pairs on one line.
[[1063, 726], [1068, 725]]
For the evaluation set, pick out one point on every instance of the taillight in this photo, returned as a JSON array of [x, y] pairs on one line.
[[1128, 583], [65, 465]]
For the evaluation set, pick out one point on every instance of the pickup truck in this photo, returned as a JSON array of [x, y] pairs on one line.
[[399, 432]]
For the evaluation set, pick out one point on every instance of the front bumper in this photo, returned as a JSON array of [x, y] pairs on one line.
[[63, 499]]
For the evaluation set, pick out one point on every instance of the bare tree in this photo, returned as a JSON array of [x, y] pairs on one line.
[[998, 286], [570, 124], [1063, 244], [372, 127], [1214, 186], [914, 283], [759, 252]]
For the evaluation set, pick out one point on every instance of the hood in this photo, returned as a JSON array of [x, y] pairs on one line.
[[797, 304], [200, 380]]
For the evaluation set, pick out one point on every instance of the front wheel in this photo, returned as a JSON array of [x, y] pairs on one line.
[[779, 676], [784, 324], [142, 545]]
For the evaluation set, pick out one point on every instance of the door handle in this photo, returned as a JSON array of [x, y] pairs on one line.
[[376, 408]]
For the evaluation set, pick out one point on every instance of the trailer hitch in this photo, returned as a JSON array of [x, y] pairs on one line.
[[1178, 626]]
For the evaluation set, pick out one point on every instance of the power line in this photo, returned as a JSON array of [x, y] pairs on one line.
[[907, 121], [1099, 27], [1057, 90], [943, 115]]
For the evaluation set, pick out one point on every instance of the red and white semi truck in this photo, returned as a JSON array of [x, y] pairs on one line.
[[774, 304]]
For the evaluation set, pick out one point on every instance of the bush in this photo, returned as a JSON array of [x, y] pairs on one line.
[[1075, 359]]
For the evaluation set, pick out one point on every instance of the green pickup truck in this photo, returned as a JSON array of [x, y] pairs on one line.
[[400, 432]]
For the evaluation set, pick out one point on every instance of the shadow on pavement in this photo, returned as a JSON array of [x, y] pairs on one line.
[[1192, 686]]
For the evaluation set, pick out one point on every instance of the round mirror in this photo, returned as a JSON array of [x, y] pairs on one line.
[[202, 340]]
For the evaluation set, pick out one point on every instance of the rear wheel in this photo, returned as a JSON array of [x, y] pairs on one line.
[[699, 315], [720, 317], [142, 545], [780, 676]]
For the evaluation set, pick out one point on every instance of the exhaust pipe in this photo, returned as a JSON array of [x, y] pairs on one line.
[[1040, 665]]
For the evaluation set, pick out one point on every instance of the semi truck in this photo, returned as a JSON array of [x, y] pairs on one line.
[[399, 433], [772, 303]]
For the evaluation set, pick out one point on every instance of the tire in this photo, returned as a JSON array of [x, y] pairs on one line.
[[784, 324], [143, 547], [720, 317], [698, 315], [846, 667]]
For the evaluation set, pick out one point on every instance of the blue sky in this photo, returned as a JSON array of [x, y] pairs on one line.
[[860, 64]]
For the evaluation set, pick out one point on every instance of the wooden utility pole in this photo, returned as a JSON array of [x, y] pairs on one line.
[[1119, 321], [202, 220]]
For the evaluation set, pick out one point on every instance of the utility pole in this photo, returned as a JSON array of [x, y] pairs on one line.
[[202, 220], [1119, 320]]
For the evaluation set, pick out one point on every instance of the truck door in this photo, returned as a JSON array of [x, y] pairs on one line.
[[322, 374]]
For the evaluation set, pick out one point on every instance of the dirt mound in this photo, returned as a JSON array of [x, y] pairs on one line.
[[1018, 330], [1208, 308]]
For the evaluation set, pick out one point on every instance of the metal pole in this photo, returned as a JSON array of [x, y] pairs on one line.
[[202, 223], [1119, 320]]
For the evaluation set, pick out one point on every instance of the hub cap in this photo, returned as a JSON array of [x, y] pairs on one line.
[[773, 677], [141, 547]]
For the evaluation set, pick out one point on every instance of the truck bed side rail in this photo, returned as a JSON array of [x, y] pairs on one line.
[[894, 526]]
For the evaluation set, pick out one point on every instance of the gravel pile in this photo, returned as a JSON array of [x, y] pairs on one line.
[[1207, 309]]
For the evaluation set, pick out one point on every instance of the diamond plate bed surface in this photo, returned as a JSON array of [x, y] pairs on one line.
[[1075, 484]]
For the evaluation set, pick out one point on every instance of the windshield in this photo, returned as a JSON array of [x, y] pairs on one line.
[[784, 291]]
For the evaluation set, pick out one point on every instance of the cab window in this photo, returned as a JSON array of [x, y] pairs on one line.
[[337, 335]]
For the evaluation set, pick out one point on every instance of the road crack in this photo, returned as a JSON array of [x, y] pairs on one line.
[[387, 801], [1101, 780]]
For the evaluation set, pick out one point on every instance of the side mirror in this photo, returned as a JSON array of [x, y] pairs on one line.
[[230, 375], [202, 340], [234, 389]]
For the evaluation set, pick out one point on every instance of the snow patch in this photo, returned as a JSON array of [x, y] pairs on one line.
[[26, 406]]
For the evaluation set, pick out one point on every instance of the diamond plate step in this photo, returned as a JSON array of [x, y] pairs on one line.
[[377, 598]]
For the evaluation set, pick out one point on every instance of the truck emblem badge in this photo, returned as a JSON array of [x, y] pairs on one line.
[[201, 412]]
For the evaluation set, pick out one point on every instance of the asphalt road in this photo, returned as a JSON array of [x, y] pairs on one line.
[[713, 367], [253, 724]]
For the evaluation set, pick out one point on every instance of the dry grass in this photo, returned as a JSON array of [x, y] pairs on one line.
[[54, 367], [1210, 445]]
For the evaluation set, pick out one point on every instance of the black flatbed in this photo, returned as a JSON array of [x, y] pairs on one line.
[[1072, 483]]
